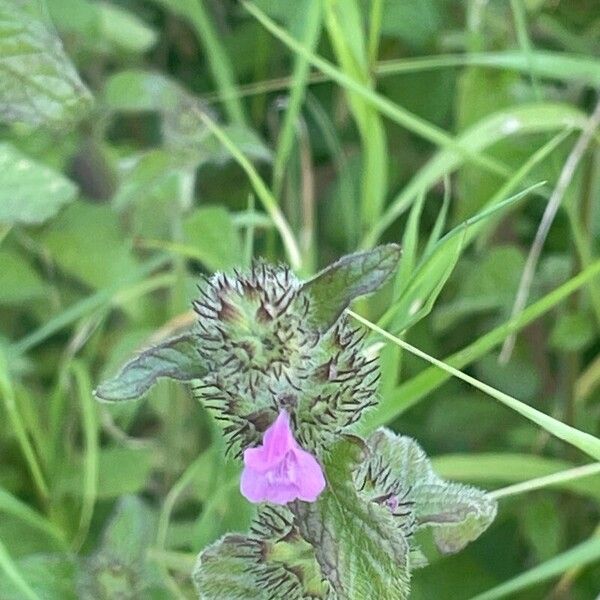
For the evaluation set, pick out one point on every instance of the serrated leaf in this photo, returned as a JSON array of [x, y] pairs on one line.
[[457, 513], [30, 192], [177, 358], [360, 545], [271, 563], [38, 83], [354, 275]]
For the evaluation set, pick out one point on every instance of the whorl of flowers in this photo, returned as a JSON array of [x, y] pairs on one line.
[[265, 353]]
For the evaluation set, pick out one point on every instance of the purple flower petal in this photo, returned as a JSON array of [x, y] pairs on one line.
[[280, 471]]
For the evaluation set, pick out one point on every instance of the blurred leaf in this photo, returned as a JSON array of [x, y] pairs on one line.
[[572, 332], [141, 91], [38, 83], [50, 577], [509, 467], [352, 276], [86, 241], [120, 568], [11, 505], [30, 192], [541, 525], [415, 23], [145, 180], [124, 29], [19, 281], [485, 283], [211, 232], [177, 358], [121, 471]]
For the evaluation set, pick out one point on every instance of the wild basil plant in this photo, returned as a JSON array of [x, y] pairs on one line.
[[289, 377]]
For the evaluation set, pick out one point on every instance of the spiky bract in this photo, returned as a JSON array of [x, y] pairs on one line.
[[264, 353]]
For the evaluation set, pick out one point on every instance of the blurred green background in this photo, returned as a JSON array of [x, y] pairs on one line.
[[355, 122]]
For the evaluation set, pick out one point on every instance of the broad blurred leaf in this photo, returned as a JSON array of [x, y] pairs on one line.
[[121, 471], [124, 29], [211, 232], [30, 192], [38, 83], [572, 332], [102, 27], [177, 358], [336, 286], [140, 91], [19, 281], [87, 242], [415, 23], [51, 577], [120, 568]]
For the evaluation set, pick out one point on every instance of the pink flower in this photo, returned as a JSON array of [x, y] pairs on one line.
[[280, 471]]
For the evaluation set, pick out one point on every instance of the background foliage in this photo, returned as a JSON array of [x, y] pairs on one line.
[[168, 138]]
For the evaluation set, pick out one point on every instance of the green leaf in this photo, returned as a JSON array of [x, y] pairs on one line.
[[177, 358], [87, 242], [120, 471], [47, 577], [10, 505], [134, 91], [363, 551], [123, 29], [121, 568], [354, 275], [211, 232], [273, 563], [19, 282], [38, 83], [572, 332], [457, 513], [30, 193]]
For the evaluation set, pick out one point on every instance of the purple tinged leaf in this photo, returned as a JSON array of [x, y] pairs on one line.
[[280, 471]]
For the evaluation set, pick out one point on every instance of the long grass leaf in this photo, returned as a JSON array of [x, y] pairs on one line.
[[586, 442], [586, 553], [413, 390]]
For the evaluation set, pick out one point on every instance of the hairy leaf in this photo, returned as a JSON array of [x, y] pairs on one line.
[[334, 288], [271, 563], [457, 513], [38, 83], [361, 547], [30, 193], [177, 358]]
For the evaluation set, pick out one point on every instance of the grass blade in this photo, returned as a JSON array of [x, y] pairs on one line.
[[583, 554], [412, 391], [587, 443], [12, 572], [261, 190]]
